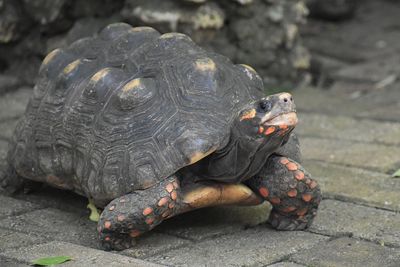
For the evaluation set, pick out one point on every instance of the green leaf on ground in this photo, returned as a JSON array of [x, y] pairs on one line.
[[51, 260], [94, 213], [396, 173]]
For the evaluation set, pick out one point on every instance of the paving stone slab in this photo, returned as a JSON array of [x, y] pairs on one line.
[[372, 106], [11, 206], [56, 225], [356, 185], [81, 256], [337, 218], [258, 246], [13, 239], [212, 222], [13, 104], [286, 264], [382, 158], [347, 128], [154, 243], [11, 263], [344, 252]]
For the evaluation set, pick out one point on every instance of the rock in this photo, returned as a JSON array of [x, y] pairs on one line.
[[12, 21], [332, 9]]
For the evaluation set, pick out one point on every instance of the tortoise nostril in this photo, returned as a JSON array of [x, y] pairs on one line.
[[291, 98], [285, 100]]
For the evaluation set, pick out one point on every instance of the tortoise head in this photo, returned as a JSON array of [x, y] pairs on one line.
[[271, 116]]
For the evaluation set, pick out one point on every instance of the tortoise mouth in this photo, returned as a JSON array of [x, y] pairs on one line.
[[289, 119]]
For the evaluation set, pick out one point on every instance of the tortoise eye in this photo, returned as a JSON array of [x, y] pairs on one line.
[[265, 105]]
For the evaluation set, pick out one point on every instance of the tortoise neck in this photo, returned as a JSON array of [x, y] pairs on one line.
[[239, 160]]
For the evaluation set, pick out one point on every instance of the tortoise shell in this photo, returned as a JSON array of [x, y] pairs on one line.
[[125, 109]]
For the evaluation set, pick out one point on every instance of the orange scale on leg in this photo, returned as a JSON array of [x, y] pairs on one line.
[[284, 161], [107, 224], [174, 195], [291, 166], [269, 130], [264, 191], [292, 193], [169, 188], [162, 201], [147, 211], [307, 197], [149, 220], [275, 200], [299, 175]]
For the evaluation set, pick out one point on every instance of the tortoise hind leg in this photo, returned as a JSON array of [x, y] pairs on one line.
[[291, 191]]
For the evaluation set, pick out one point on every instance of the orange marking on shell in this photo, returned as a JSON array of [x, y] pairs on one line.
[[147, 211], [264, 191], [260, 130], [162, 201], [269, 130], [292, 193], [299, 175], [134, 233], [111, 208], [171, 205], [283, 127], [307, 197], [302, 212], [275, 200], [107, 224], [120, 218], [169, 188], [107, 238], [289, 209], [313, 184], [284, 161], [149, 221], [174, 195], [291, 166], [248, 115], [308, 181], [176, 185]]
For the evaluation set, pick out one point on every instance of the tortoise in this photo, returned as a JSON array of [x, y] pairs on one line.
[[149, 126]]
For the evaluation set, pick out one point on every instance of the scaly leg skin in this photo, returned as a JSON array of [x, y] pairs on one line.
[[131, 215], [291, 191]]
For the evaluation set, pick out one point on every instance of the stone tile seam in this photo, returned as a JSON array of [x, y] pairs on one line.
[[386, 144], [348, 140], [321, 112], [356, 201], [365, 168], [352, 236]]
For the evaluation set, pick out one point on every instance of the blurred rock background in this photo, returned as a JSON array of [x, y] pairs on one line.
[[260, 33]]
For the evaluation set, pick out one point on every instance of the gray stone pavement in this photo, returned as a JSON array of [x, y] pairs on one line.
[[350, 135]]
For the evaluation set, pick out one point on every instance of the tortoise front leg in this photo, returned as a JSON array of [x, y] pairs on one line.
[[291, 191], [133, 214]]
